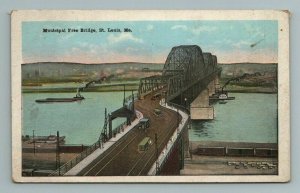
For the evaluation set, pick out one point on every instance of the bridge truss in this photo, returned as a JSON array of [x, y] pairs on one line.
[[187, 71]]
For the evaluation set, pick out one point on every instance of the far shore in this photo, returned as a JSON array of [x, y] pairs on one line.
[[102, 88], [252, 91], [133, 86]]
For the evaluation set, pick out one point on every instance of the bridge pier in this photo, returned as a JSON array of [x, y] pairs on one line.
[[200, 108], [217, 83], [186, 144], [211, 88], [214, 86]]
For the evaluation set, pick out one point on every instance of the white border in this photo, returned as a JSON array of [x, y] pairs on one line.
[[147, 15]]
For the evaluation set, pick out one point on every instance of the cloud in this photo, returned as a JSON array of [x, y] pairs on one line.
[[114, 39], [200, 29], [132, 49], [255, 31], [194, 30], [150, 27], [224, 41], [182, 27], [241, 44], [255, 56]]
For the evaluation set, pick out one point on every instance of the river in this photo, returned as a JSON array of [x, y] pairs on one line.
[[81, 122], [249, 118]]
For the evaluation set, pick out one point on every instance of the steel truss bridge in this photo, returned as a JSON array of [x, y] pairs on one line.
[[187, 71]]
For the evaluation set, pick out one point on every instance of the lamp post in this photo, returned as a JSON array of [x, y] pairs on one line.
[[57, 153], [124, 95], [156, 155], [34, 158], [33, 140], [178, 118], [185, 103]]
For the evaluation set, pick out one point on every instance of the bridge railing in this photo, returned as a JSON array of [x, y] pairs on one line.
[[175, 139], [70, 164], [129, 98], [180, 107], [119, 128], [88, 151]]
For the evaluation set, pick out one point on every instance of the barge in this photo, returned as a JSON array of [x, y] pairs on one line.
[[78, 97], [52, 100]]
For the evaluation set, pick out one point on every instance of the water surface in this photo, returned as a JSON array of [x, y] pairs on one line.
[[81, 122], [251, 117]]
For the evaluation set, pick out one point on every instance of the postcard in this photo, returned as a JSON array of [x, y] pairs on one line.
[[150, 96]]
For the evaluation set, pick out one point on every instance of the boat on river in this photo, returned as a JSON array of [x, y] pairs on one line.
[[78, 97], [52, 100], [221, 96]]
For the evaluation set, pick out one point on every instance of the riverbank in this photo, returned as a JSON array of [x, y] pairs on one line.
[[98, 88], [219, 165], [116, 86], [250, 89], [235, 149], [196, 144], [134, 87], [43, 163], [231, 158]]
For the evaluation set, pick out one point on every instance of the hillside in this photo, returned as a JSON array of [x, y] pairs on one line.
[[246, 77], [238, 69], [253, 75], [68, 72]]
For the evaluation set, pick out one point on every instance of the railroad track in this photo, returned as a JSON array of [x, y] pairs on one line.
[[95, 164], [141, 167], [114, 157], [122, 158]]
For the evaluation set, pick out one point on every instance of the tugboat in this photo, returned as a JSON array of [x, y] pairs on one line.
[[221, 96], [78, 97]]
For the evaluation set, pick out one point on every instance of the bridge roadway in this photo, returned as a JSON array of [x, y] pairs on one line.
[[123, 158]]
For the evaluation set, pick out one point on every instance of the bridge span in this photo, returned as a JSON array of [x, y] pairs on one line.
[[168, 101], [190, 77], [124, 158]]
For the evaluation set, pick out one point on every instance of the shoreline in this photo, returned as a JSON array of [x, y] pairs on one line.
[[130, 87], [252, 91], [196, 144], [103, 88]]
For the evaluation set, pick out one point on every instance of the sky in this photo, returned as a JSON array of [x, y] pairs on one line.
[[149, 41]]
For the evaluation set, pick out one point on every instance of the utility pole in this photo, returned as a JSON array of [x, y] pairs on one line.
[[177, 118], [110, 130], [33, 140], [124, 96], [34, 158], [166, 96], [132, 101], [156, 154], [57, 153]]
